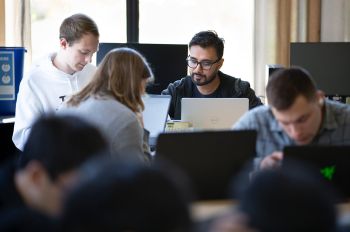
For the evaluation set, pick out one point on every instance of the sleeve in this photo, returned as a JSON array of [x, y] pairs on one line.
[[28, 107], [244, 90], [254, 101], [249, 93], [247, 122], [170, 91], [244, 123]]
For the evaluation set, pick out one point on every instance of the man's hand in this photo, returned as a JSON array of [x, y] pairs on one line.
[[272, 161]]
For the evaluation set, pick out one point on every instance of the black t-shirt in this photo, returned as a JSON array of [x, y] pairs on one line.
[[216, 94]]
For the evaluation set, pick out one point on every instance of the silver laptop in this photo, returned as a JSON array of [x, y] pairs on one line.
[[155, 115], [213, 113]]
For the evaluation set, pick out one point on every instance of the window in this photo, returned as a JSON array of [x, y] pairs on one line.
[[109, 15], [163, 21]]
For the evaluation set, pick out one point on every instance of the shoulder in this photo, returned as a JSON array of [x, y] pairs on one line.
[[236, 84], [255, 118], [40, 68], [110, 107], [337, 112], [185, 81], [43, 61], [106, 103], [105, 112]]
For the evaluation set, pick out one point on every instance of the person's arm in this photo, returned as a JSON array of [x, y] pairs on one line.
[[254, 101], [170, 91], [28, 107]]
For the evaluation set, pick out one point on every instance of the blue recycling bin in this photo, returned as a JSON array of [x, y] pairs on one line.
[[11, 73]]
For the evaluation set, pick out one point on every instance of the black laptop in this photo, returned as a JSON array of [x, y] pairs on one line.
[[210, 159], [331, 163]]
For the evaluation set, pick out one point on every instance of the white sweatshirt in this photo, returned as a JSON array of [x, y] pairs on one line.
[[42, 90]]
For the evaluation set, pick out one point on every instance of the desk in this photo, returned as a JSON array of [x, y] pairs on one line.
[[203, 210]]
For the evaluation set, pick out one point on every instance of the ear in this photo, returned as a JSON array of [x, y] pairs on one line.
[[221, 62], [30, 182], [320, 96], [64, 43]]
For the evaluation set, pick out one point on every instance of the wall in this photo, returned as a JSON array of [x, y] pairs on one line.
[[335, 21]]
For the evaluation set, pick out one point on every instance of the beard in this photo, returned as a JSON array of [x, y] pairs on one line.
[[207, 79]]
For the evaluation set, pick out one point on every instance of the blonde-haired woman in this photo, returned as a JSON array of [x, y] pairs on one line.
[[113, 102]]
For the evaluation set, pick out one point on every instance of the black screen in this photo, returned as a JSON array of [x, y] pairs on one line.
[[167, 61], [327, 62]]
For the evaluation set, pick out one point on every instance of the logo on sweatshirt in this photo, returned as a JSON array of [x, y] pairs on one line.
[[62, 97]]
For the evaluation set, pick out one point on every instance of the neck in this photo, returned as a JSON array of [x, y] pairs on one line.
[[57, 61], [211, 87]]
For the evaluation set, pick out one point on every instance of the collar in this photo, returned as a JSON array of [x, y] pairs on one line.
[[329, 121], [274, 125]]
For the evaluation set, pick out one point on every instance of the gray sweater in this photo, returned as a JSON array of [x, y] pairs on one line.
[[118, 124]]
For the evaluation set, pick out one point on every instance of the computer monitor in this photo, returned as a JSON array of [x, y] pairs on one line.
[[167, 61], [210, 159], [327, 62]]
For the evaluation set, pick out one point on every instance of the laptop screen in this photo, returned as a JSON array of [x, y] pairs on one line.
[[331, 163], [155, 114], [210, 159], [213, 113]]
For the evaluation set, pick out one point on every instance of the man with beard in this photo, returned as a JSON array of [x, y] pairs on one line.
[[205, 80]]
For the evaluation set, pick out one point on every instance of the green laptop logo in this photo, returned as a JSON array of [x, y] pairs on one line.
[[328, 172]]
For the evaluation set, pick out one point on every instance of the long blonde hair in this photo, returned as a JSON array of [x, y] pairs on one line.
[[120, 74]]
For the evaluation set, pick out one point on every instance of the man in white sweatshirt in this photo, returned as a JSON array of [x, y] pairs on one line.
[[48, 83]]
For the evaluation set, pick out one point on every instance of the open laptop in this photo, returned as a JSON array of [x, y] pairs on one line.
[[213, 113], [155, 115], [210, 159], [331, 163]]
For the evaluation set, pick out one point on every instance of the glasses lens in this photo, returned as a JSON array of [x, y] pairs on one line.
[[192, 63], [206, 65]]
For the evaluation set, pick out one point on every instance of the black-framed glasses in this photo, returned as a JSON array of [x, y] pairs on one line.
[[205, 64]]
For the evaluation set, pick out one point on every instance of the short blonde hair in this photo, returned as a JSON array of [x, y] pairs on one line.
[[120, 74]]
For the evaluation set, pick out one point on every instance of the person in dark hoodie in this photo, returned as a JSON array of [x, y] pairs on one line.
[[205, 79]]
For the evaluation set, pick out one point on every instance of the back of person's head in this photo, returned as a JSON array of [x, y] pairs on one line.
[[120, 74], [288, 199], [286, 84], [74, 27], [207, 39], [26, 220], [61, 144], [126, 197]]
